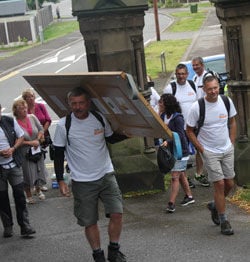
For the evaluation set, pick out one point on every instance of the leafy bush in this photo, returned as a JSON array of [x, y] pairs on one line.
[[172, 4]]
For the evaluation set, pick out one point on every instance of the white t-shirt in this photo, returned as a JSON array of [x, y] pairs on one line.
[[154, 98], [5, 143], [199, 83], [214, 134], [87, 155], [185, 95]]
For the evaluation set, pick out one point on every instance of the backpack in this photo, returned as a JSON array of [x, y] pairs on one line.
[[68, 122], [173, 85], [221, 77], [201, 119]]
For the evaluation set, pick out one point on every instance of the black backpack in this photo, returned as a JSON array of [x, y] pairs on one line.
[[221, 77], [201, 119], [173, 85]]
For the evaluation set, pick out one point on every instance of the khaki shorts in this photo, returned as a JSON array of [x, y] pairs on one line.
[[87, 195], [219, 166]]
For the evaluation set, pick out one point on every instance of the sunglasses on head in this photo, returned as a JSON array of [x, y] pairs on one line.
[[211, 74]]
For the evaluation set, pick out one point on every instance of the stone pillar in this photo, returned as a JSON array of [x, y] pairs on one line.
[[113, 37], [234, 16], [115, 42]]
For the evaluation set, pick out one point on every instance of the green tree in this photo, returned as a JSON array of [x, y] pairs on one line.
[[32, 3]]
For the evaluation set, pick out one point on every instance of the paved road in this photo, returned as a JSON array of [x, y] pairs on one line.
[[149, 234]]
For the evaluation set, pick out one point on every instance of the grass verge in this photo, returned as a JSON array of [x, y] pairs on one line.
[[173, 50], [241, 198], [58, 29], [186, 21]]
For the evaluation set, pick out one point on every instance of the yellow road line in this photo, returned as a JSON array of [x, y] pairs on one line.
[[9, 76]]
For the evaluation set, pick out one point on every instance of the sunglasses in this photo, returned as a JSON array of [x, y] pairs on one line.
[[211, 74]]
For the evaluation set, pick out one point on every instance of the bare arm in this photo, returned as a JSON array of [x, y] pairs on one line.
[[18, 142], [9, 152], [233, 129], [46, 126], [36, 142]]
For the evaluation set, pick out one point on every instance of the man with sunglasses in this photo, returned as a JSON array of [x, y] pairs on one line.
[[215, 143], [185, 92]]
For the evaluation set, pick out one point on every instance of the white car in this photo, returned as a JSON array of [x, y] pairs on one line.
[[214, 63]]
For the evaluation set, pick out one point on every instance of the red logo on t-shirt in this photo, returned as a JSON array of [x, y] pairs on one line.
[[98, 131], [222, 116]]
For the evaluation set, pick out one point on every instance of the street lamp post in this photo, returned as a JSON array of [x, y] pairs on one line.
[[40, 28], [158, 38]]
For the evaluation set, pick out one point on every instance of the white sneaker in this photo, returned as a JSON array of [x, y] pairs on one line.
[[33, 191], [30, 200], [41, 195], [44, 189]]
